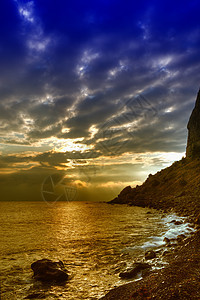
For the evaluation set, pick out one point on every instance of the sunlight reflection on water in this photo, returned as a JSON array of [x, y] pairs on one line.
[[92, 239]]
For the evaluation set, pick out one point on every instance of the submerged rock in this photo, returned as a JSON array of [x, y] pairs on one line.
[[177, 222], [150, 254], [166, 240], [132, 272], [48, 271]]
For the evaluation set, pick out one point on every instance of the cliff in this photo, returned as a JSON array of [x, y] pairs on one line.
[[177, 186], [193, 144]]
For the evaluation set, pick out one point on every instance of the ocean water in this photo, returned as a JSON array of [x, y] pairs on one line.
[[94, 240]]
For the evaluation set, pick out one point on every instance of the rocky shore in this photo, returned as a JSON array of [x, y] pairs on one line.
[[177, 189], [180, 279]]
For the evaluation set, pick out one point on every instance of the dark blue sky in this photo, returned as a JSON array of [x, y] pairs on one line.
[[91, 80]]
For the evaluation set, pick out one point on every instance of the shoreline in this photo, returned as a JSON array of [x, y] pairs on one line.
[[178, 279]]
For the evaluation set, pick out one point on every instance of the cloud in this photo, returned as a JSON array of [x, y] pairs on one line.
[[75, 71]]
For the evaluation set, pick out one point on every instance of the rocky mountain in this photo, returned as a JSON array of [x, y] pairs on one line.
[[176, 187], [193, 144]]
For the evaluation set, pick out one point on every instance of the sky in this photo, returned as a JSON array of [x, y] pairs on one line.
[[94, 95]]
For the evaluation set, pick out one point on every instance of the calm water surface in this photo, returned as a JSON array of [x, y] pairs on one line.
[[94, 240]]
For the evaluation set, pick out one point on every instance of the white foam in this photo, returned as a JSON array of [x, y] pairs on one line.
[[172, 231]]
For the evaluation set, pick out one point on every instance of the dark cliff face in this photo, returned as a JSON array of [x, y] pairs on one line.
[[177, 186], [193, 143]]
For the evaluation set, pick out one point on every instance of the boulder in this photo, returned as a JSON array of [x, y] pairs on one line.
[[166, 240], [150, 254], [132, 272], [48, 271], [176, 222]]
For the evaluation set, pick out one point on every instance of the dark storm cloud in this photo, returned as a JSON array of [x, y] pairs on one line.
[[74, 65], [48, 158], [156, 130]]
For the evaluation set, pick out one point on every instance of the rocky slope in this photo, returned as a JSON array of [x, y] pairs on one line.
[[176, 187], [179, 280]]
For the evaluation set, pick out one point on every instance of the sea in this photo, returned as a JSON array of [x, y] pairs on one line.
[[95, 241]]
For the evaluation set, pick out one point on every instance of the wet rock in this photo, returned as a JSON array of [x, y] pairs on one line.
[[48, 271], [166, 240], [192, 226], [173, 241], [150, 254], [166, 253], [158, 251], [132, 272], [180, 238], [176, 222]]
